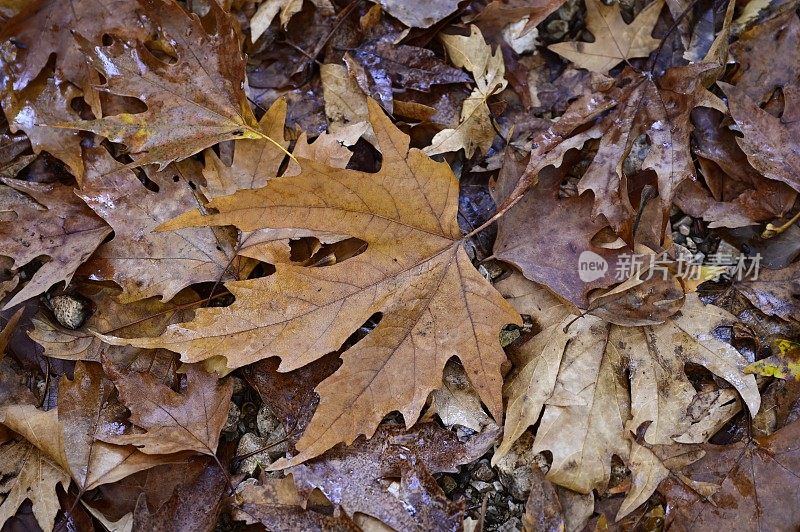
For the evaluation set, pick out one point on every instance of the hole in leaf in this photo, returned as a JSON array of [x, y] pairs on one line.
[[148, 183], [114, 104], [364, 330], [162, 50]]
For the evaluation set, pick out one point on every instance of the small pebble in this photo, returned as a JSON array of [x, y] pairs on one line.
[[482, 487], [266, 421], [448, 484], [69, 311], [232, 423], [483, 472], [250, 443], [684, 230], [686, 220]]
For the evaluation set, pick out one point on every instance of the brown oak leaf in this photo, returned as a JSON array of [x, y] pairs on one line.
[[68, 436], [29, 474], [60, 227], [192, 104], [44, 100], [577, 375], [46, 27], [775, 292], [174, 422], [771, 143], [145, 262], [434, 303], [635, 105], [749, 485]]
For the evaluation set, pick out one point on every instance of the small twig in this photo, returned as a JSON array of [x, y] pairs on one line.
[[773, 231]]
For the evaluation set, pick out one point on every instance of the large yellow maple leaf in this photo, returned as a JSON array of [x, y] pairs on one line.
[[415, 272]]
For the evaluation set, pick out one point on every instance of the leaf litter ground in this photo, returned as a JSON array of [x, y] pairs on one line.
[[374, 265]]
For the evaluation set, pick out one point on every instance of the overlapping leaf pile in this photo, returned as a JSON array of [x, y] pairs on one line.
[[322, 318]]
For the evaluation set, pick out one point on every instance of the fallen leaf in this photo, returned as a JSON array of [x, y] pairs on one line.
[[345, 102], [657, 356], [583, 422], [267, 11], [748, 485], [415, 271], [578, 376], [391, 453], [46, 27], [195, 504], [420, 14], [475, 130], [777, 39], [275, 503], [614, 41], [657, 111], [146, 316], [769, 142], [156, 486], [785, 364], [659, 296], [192, 104], [498, 14], [8, 329], [291, 395], [68, 435], [44, 99], [144, 262], [775, 292], [29, 474], [648, 470], [735, 194], [174, 422], [380, 66], [60, 227], [543, 510], [255, 161], [526, 239]]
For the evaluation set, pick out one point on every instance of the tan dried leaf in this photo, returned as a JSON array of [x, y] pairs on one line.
[[614, 41], [578, 376], [435, 305], [68, 435], [28, 473], [475, 130], [175, 422], [60, 227], [192, 104]]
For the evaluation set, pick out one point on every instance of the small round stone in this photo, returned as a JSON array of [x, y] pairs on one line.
[[70, 311]]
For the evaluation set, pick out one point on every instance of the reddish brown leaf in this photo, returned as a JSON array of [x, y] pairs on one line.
[[771, 143], [60, 226], [192, 104], [547, 238], [174, 422], [144, 262], [749, 485], [194, 505]]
